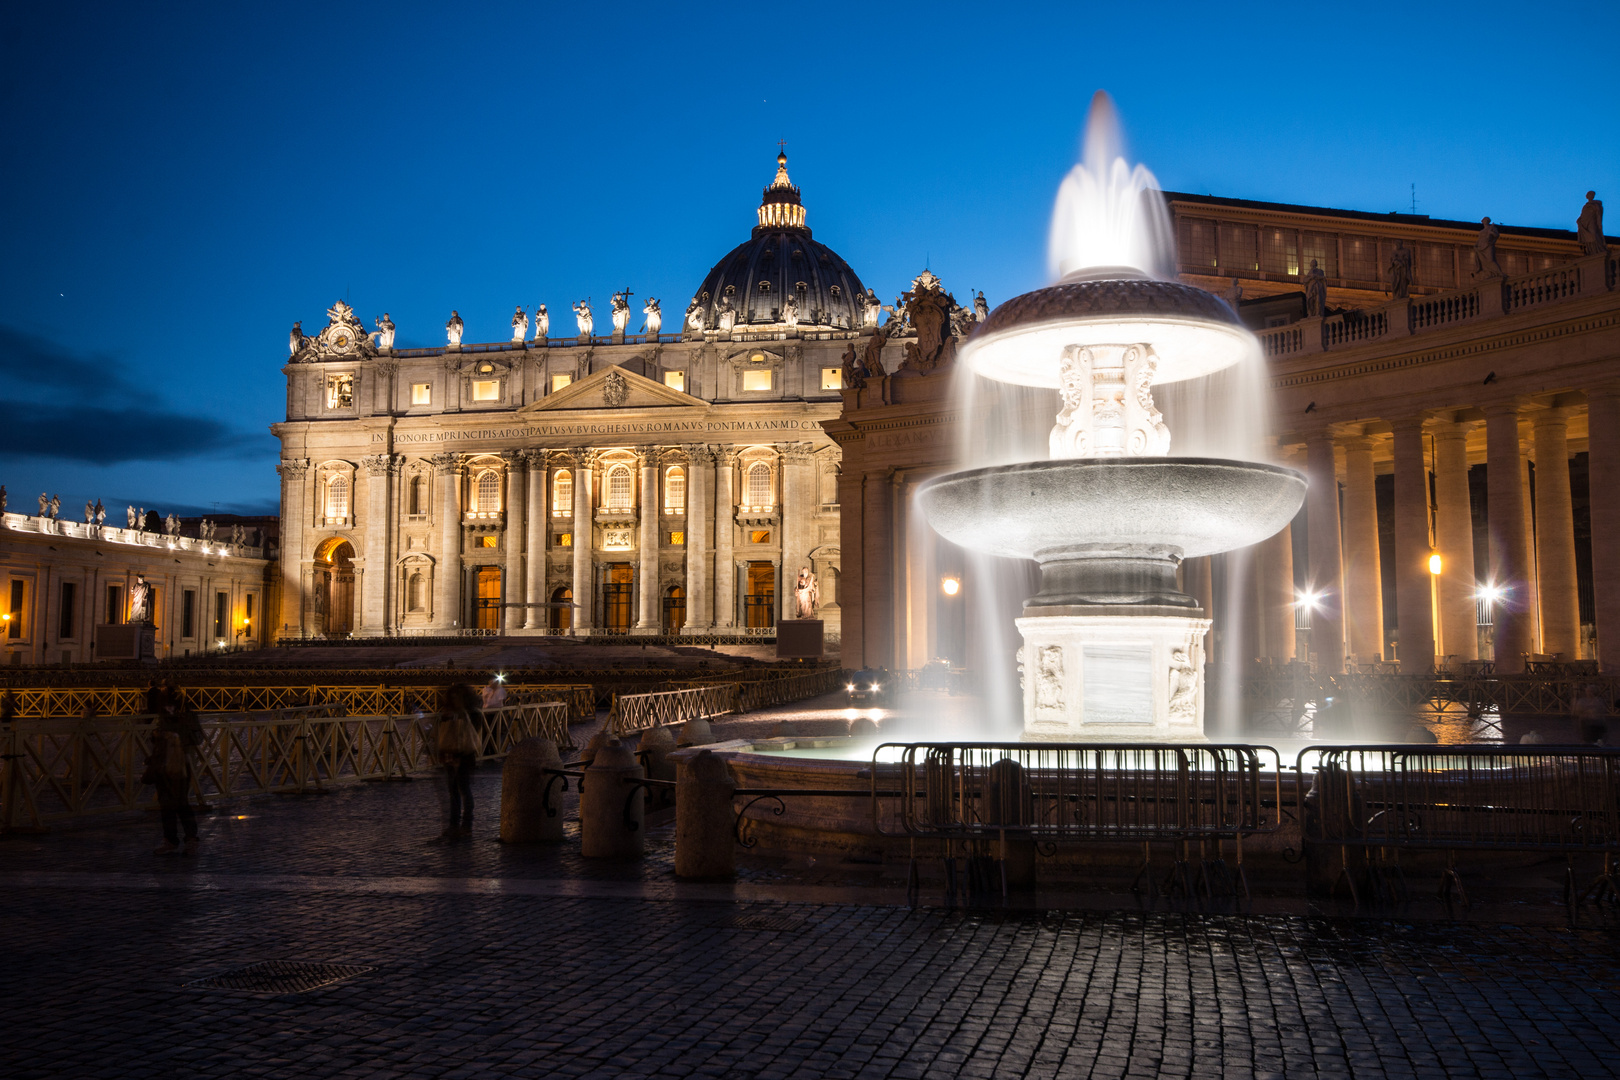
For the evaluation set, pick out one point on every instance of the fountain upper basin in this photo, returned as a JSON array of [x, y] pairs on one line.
[[1185, 507], [1193, 332]]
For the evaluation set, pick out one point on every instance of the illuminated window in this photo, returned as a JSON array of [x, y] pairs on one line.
[[486, 390], [565, 539], [487, 541], [337, 497], [562, 494], [421, 393], [339, 391], [675, 380], [677, 539], [619, 488], [675, 490], [757, 380], [558, 382], [488, 496], [759, 536], [832, 378], [759, 485]]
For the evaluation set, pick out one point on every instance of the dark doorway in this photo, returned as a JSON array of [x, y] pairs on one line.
[[488, 615], [618, 597], [760, 600], [561, 617], [674, 609]]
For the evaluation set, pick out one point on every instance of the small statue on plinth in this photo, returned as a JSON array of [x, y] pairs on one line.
[[583, 316], [56, 507], [101, 512], [1485, 264], [1315, 292], [1400, 271], [542, 322], [520, 326], [453, 328], [790, 312], [655, 316], [140, 601], [1589, 226], [89, 512], [44, 505], [385, 332], [871, 310], [130, 517], [806, 595], [621, 311]]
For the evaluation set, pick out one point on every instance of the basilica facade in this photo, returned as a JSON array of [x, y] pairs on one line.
[[641, 483]]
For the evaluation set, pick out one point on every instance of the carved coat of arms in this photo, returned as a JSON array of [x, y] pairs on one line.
[[615, 390]]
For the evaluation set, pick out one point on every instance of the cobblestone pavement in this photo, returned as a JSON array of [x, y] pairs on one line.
[[487, 960]]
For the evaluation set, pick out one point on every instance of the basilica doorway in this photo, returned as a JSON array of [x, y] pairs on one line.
[[561, 614], [759, 611], [488, 592], [618, 597], [674, 609], [333, 587]]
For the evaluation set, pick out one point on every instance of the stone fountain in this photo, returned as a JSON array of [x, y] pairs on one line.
[[1113, 648]]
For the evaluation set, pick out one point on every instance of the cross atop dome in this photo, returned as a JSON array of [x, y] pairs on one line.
[[781, 208]]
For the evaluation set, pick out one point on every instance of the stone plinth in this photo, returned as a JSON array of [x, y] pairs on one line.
[[1111, 672], [799, 639]]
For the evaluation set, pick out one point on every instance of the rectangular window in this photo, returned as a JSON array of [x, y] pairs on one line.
[[1240, 249], [1279, 252], [115, 604], [486, 390], [188, 613], [559, 382], [757, 380], [1361, 258], [421, 393], [1435, 267], [832, 378], [486, 541], [1196, 241], [247, 613], [677, 539], [675, 380], [1324, 248], [14, 613], [222, 615], [759, 536], [565, 539], [64, 615], [339, 391]]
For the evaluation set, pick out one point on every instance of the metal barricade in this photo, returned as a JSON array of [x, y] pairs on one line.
[[639, 712]]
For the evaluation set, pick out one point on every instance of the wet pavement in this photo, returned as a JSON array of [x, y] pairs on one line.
[[484, 960]]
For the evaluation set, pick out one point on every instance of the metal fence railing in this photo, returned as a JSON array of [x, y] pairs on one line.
[[638, 712], [53, 770]]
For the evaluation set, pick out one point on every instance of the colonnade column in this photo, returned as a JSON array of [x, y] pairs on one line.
[[447, 575], [294, 522], [647, 619], [725, 506], [1414, 587], [374, 586], [1603, 457], [1555, 536], [1326, 575], [1363, 570], [517, 495], [1510, 556], [699, 481], [1454, 536], [584, 533], [877, 573], [534, 543], [1274, 591], [1532, 576]]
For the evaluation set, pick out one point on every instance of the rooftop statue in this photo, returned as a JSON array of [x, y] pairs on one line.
[[655, 317], [1234, 295], [1315, 291], [790, 311], [296, 341], [620, 313], [873, 362], [694, 317], [981, 310], [89, 512], [542, 323], [1400, 271], [929, 307], [44, 505], [454, 327], [871, 310], [725, 312], [56, 507], [384, 332], [520, 326], [1589, 226], [854, 369], [582, 315], [101, 512], [1485, 264], [130, 517]]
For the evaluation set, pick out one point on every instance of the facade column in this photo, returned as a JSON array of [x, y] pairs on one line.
[[798, 513], [517, 519], [1510, 555], [922, 584], [1603, 458], [447, 575], [1274, 581], [1555, 537], [1414, 587], [1326, 576], [877, 579], [584, 527], [294, 530], [725, 531], [1363, 569], [699, 556], [1454, 536], [1532, 573], [374, 588], [537, 523], [647, 620]]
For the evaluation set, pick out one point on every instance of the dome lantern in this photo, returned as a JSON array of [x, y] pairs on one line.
[[781, 207]]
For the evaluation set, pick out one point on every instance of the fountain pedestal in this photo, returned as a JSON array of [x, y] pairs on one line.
[[1092, 673]]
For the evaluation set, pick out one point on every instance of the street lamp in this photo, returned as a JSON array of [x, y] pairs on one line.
[[1434, 562]]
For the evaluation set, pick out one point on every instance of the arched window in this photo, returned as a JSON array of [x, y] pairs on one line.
[[414, 592], [337, 497], [418, 500], [675, 490], [759, 484], [562, 494], [488, 496], [619, 494]]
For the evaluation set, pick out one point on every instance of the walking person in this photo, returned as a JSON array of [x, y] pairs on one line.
[[457, 744], [168, 768]]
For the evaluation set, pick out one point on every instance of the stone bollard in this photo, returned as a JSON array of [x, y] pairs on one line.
[[610, 810], [863, 727], [531, 798], [705, 844], [696, 732], [588, 755], [654, 749]]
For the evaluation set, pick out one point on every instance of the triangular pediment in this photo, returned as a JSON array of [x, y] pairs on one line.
[[614, 388]]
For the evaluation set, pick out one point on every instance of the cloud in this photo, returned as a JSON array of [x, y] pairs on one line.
[[112, 420]]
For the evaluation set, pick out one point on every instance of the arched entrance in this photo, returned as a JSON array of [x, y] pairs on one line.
[[561, 616], [674, 609], [760, 600], [334, 587]]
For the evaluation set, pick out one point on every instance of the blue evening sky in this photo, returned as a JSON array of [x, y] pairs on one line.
[[182, 181]]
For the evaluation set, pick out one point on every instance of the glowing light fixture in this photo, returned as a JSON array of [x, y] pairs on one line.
[[1310, 599], [951, 586], [1491, 594], [1434, 562]]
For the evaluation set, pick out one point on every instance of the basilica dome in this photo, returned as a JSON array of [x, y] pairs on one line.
[[750, 286]]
